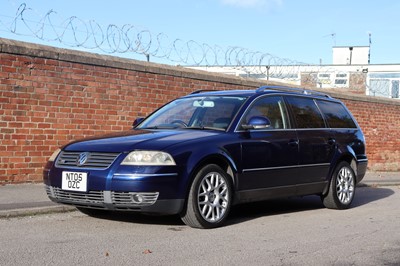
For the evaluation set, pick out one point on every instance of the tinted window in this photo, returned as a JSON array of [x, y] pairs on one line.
[[272, 108], [306, 113], [336, 115]]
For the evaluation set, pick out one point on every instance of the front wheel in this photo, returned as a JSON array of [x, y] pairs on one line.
[[342, 188], [210, 198]]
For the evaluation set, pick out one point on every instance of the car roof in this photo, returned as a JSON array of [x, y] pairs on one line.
[[260, 91]]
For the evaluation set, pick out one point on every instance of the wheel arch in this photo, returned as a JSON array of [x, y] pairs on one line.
[[350, 159], [343, 157], [220, 159], [341, 187]]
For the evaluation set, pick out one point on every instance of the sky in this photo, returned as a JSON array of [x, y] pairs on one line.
[[298, 30]]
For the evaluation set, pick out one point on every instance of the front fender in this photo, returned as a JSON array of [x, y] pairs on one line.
[[211, 155]]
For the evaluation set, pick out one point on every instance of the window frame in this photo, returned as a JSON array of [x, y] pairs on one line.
[[344, 111], [294, 119], [285, 115]]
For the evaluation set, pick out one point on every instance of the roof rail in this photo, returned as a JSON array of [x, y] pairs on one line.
[[291, 89], [200, 91]]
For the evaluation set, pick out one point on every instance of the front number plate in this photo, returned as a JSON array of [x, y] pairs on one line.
[[76, 181]]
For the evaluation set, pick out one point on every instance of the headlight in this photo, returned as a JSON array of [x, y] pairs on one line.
[[54, 155], [148, 158]]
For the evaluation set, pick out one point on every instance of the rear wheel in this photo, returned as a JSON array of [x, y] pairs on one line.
[[210, 198], [342, 188]]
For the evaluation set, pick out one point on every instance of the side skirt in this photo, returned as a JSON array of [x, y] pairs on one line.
[[280, 192]]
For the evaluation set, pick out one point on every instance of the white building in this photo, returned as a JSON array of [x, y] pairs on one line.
[[351, 55], [350, 70]]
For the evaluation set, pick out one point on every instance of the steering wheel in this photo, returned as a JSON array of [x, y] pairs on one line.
[[179, 122]]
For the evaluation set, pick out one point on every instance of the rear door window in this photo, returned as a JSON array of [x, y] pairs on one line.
[[336, 115], [305, 112]]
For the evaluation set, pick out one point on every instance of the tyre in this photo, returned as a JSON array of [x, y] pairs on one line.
[[342, 188], [210, 198]]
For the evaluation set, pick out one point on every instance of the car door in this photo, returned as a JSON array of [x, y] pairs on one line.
[[316, 141], [269, 155]]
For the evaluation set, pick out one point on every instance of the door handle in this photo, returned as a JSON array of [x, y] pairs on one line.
[[293, 142], [331, 141]]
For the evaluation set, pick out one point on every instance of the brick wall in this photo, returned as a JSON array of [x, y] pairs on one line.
[[379, 120], [50, 96]]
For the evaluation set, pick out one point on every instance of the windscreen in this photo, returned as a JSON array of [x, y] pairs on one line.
[[214, 112]]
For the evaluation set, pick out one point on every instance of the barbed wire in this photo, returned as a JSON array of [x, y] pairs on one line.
[[113, 39]]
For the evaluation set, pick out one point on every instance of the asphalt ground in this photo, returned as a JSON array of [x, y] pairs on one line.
[[31, 199]]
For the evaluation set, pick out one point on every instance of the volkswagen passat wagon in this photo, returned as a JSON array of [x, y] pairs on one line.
[[200, 154]]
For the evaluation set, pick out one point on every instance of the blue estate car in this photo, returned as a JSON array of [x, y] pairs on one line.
[[202, 153]]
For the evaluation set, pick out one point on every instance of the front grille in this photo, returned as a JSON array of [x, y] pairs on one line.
[[95, 160], [89, 198], [119, 200]]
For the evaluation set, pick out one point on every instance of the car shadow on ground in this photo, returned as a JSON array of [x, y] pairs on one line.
[[249, 211], [245, 212], [139, 218], [366, 194]]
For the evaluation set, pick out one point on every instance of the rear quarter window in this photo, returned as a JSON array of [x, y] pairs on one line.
[[336, 115], [305, 112]]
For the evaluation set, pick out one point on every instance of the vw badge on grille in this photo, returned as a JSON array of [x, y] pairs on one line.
[[82, 158]]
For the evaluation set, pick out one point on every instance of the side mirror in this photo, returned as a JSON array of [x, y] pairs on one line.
[[137, 121], [257, 122]]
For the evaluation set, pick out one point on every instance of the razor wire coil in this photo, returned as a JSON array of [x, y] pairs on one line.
[[113, 39]]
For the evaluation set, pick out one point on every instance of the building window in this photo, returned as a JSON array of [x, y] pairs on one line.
[[395, 88], [327, 80], [324, 76], [379, 87], [384, 87], [341, 79], [324, 79]]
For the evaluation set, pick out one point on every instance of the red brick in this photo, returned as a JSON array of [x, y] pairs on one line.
[[55, 102]]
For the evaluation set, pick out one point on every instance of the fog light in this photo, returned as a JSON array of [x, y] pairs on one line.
[[137, 198]]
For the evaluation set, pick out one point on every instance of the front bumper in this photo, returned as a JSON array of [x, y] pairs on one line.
[[146, 202]]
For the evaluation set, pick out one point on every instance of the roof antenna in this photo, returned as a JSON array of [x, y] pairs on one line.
[[333, 36], [369, 50]]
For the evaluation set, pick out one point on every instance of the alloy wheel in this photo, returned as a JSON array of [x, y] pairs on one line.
[[345, 185], [213, 197]]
